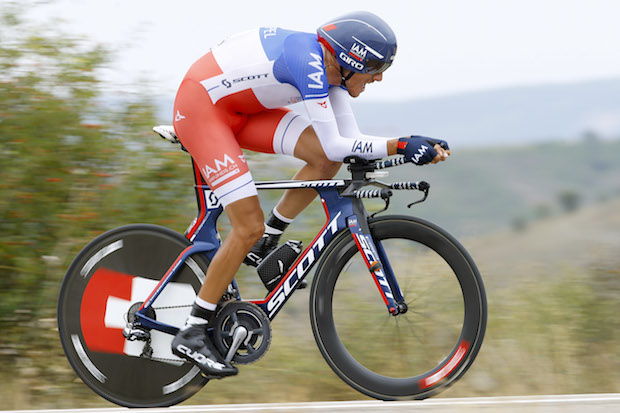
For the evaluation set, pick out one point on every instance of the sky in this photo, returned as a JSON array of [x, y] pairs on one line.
[[444, 46]]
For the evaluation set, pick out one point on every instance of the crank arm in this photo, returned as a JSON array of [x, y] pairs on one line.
[[239, 337]]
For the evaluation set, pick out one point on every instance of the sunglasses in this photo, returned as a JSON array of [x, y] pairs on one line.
[[375, 66]]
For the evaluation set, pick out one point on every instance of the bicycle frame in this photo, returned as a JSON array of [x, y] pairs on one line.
[[343, 212]]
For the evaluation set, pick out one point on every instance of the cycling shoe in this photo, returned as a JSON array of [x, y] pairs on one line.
[[193, 345]]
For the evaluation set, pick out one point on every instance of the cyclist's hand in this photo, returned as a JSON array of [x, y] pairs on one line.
[[422, 150], [441, 146]]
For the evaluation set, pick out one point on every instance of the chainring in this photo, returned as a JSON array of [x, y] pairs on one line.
[[242, 314]]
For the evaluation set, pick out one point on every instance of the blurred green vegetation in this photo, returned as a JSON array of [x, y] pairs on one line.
[[69, 168], [72, 167]]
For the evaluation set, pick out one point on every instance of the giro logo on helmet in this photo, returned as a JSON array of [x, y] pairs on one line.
[[351, 62]]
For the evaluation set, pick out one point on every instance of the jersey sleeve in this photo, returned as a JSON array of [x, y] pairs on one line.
[[347, 124], [335, 145], [301, 64]]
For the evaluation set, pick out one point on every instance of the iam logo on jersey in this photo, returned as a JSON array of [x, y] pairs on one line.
[[221, 171]]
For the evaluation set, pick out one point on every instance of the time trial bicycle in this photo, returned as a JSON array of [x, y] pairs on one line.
[[397, 305]]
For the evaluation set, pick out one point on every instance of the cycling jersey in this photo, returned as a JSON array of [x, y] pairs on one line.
[[234, 97]]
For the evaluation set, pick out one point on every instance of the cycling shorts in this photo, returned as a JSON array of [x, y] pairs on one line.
[[214, 134]]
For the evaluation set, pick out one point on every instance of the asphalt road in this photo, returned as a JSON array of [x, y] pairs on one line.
[[571, 403]]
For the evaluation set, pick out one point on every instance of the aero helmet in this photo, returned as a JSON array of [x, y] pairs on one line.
[[361, 41]]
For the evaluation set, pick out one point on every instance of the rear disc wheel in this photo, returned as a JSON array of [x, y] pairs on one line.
[[103, 287]]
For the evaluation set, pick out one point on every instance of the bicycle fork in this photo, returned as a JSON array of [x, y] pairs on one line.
[[378, 264]]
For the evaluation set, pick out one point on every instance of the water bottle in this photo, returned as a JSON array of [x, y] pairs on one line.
[[275, 265]]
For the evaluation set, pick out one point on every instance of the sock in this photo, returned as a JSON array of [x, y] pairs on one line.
[[202, 313], [276, 223]]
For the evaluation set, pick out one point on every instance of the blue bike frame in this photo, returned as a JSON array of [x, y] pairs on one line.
[[343, 212]]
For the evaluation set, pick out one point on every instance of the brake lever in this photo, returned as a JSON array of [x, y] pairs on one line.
[[386, 198], [423, 186]]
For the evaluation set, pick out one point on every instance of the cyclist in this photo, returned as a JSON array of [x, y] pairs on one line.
[[234, 96]]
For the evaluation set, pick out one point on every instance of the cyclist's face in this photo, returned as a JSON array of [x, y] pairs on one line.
[[357, 83]]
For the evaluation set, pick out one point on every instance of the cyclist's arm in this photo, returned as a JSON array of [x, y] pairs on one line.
[[336, 146], [301, 64], [347, 124]]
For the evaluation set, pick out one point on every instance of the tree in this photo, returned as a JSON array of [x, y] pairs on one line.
[[70, 165], [569, 200]]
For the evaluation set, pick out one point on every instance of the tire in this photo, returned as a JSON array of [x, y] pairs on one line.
[[412, 355], [111, 274]]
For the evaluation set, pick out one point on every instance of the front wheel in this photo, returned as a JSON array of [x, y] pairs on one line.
[[106, 283], [415, 354]]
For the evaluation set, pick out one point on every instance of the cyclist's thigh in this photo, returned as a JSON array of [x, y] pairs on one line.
[[207, 133], [272, 131]]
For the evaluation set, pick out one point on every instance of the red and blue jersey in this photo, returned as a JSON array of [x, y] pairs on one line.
[[279, 66], [234, 96]]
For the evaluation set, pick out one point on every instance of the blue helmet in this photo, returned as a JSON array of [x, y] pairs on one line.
[[361, 41]]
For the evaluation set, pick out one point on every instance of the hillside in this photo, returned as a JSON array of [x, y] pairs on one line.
[[481, 190], [501, 116], [570, 242], [553, 291]]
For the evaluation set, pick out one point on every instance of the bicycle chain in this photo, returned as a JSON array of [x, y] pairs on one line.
[[167, 359], [171, 307], [171, 361]]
